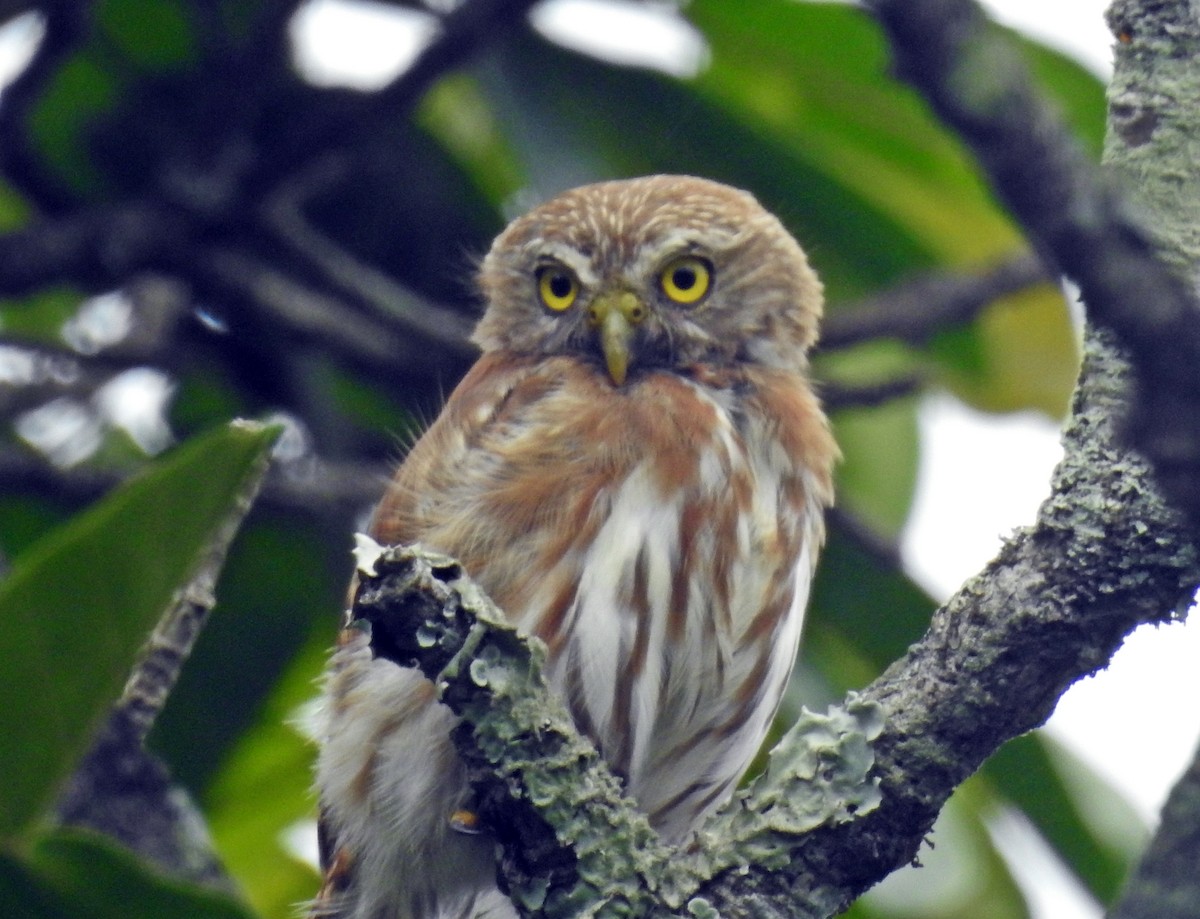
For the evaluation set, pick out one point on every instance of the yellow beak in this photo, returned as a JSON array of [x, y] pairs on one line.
[[616, 315]]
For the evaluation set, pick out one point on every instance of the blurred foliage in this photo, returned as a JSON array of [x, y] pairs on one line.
[[69, 874], [318, 246], [76, 608]]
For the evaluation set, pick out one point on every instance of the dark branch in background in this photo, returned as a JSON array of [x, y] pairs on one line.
[[298, 310], [1165, 885], [915, 311], [883, 548], [309, 485], [838, 396], [95, 248], [1075, 217], [387, 300], [466, 31]]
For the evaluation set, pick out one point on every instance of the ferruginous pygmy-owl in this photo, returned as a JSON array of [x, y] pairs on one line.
[[635, 471]]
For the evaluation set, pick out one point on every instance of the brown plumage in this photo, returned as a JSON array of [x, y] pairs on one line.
[[635, 470]]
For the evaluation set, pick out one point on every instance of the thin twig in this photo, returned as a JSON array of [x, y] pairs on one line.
[[916, 310], [839, 396], [170, 644], [96, 248], [316, 316], [311, 485], [385, 299]]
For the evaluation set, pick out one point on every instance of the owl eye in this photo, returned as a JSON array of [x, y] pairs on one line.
[[686, 280], [557, 287]]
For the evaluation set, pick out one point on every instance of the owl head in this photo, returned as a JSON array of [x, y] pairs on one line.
[[656, 272]]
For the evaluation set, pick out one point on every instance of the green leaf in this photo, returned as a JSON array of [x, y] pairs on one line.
[[868, 603], [264, 790], [457, 114], [74, 100], [40, 316], [1022, 352], [154, 34], [70, 874], [78, 604], [878, 471], [1030, 773], [816, 77], [14, 211]]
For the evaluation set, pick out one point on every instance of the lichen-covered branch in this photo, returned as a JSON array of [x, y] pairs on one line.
[[569, 837], [1153, 142], [1105, 556]]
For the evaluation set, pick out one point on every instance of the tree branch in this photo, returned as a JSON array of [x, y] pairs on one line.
[[385, 299], [1053, 607], [1166, 884], [916, 310], [310, 484], [838, 396], [313, 315], [95, 249], [1105, 556], [1074, 216]]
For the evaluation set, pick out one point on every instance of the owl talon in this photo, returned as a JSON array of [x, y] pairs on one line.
[[466, 822]]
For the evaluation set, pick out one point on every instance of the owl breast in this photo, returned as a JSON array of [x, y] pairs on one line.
[[673, 524]]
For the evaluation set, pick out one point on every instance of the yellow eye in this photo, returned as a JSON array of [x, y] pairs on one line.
[[686, 280], [557, 287]]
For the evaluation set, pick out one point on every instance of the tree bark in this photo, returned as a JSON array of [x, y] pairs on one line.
[[1153, 144]]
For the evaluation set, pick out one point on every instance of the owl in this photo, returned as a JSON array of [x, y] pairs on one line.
[[636, 471]]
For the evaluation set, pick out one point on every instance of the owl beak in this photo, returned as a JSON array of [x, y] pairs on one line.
[[616, 315]]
